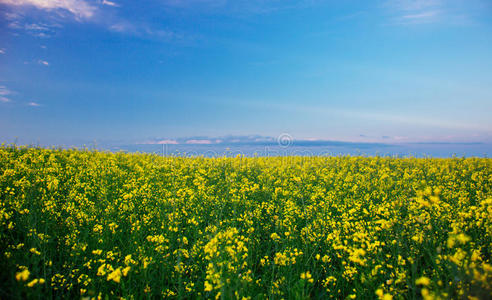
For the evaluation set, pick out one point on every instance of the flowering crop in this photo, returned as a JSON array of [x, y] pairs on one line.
[[78, 223]]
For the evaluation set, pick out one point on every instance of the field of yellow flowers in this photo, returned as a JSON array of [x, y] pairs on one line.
[[79, 223]]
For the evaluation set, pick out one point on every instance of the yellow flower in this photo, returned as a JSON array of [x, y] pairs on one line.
[[32, 283], [387, 297], [22, 275], [379, 292], [115, 275], [422, 281], [341, 209], [451, 241], [129, 260], [307, 276], [125, 271], [34, 251], [462, 238], [35, 281], [101, 271]]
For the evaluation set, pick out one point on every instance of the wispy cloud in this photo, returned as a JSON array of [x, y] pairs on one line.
[[414, 5], [240, 6], [79, 8], [33, 104], [43, 18], [43, 62], [280, 140], [165, 142], [146, 31], [204, 140], [194, 3], [43, 26], [415, 11], [122, 27], [35, 29], [199, 142], [421, 15], [82, 10], [2, 51], [4, 92], [109, 3]]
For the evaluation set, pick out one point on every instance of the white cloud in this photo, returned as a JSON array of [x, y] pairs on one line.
[[122, 27], [110, 3], [421, 15], [144, 30], [2, 51], [416, 11], [43, 62], [15, 25], [42, 35], [180, 3], [199, 142], [4, 91], [167, 142], [241, 6], [414, 5], [36, 27], [79, 8]]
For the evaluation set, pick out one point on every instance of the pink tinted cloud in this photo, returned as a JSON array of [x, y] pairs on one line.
[[199, 142]]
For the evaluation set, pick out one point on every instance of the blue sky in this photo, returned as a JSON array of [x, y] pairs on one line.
[[393, 71]]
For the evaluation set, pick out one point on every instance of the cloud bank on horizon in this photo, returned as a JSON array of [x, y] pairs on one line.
[[378, 71]]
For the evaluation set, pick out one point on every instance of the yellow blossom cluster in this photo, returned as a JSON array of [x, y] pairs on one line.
[[93, 225]]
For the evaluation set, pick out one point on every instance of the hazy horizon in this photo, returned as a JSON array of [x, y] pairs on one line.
[[282, 145]]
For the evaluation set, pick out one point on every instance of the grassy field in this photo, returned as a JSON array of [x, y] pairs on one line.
[[92, 224]]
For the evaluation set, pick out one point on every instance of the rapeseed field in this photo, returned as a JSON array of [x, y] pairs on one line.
[[89, 224]]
